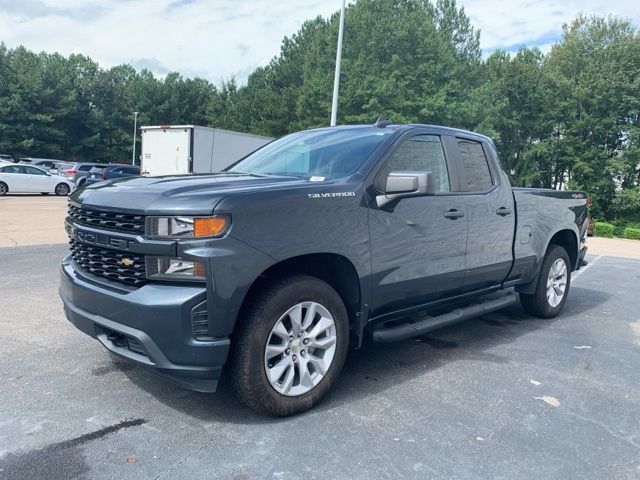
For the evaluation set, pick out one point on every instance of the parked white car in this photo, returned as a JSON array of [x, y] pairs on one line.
[[16, 178]]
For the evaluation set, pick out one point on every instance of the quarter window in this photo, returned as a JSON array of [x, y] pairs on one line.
[[422, 152], [477, 176]]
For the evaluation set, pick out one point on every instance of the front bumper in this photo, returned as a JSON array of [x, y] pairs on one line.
[[150, 325]]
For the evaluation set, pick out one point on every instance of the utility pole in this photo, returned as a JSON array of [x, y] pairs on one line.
[[336, 75], [135, 128]]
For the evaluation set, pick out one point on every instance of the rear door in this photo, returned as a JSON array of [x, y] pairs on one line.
[[15, 178], [417, 244], [490, 211], [117, 172], [166, 151], [131, 171]]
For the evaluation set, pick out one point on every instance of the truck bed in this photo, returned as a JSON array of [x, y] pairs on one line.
[[540, 213]]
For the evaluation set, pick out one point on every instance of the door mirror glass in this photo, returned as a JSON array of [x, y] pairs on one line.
[[407, 183]]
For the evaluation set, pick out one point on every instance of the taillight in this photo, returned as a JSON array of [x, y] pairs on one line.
[[103, 176], [71, 171], [589, 202]]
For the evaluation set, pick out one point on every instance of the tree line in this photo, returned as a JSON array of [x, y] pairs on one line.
[[566, 118]]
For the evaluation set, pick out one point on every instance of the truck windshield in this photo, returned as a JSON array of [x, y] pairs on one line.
[[329, 154]]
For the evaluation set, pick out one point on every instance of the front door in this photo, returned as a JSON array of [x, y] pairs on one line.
[[417, 244], [38, 180]]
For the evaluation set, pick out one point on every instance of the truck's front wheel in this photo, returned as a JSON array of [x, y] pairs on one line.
[[290, 346], [552, 287]]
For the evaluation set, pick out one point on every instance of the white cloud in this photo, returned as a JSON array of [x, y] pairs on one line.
[[220, 38], [509, 23]]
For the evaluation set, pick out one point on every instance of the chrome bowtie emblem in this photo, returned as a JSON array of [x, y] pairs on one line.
[[127, 262]]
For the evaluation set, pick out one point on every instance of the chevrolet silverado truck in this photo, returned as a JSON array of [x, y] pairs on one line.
[[319, 240]]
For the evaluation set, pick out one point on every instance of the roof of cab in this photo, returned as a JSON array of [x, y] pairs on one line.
[[403, 127]]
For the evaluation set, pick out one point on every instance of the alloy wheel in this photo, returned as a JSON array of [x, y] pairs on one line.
[[556, 282], [300, 349], [62, 189]]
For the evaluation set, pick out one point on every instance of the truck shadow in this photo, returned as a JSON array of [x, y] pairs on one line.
[[378, 367]]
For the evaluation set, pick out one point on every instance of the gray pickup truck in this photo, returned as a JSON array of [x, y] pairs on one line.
[[271, 269]]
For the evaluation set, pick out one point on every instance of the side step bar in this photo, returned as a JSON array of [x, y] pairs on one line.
[[408, 330]]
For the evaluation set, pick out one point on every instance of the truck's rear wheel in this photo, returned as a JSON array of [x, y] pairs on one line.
[[553, 285], [290, 347]]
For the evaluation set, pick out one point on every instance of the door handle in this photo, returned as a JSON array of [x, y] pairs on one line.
[[453, 214], [503, 211]]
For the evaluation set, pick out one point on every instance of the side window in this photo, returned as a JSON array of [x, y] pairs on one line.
[[12, 169], [132, 171], [117, 170], [85, 168], [422, 152], [477, 176], [34, 171]]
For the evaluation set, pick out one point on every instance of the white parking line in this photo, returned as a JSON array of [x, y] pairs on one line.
[[587, 267]]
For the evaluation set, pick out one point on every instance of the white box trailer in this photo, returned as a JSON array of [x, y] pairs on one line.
[[183, 149]]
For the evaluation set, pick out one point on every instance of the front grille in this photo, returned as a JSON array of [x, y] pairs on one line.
[[109, 264], [121, 222]]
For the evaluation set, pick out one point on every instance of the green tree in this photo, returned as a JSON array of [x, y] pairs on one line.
[[595, 70]]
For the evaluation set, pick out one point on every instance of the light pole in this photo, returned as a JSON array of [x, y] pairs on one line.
[[336, 75], [135, 128]]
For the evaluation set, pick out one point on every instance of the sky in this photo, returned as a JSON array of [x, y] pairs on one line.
[[217, 39]]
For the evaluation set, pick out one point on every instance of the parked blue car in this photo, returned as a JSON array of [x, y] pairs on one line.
[[111, 171]]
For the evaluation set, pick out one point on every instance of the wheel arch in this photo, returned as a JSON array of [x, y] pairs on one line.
[[334, 269], [567, 239]]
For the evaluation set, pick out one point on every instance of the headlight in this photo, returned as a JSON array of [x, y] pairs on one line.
[[174, 269], [187, 227]]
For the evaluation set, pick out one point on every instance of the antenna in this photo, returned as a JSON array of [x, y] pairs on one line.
[[382, 122]]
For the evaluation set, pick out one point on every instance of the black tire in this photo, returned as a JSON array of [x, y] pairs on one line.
[[4, 189], [537, 304], [62, 189], [247, 363]]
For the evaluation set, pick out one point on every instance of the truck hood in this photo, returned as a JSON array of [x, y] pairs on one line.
[[184, 194]]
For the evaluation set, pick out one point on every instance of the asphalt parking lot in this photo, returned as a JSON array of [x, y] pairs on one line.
[[501, 396]]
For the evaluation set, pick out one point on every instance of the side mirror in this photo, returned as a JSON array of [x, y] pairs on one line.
[[406, 183]]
